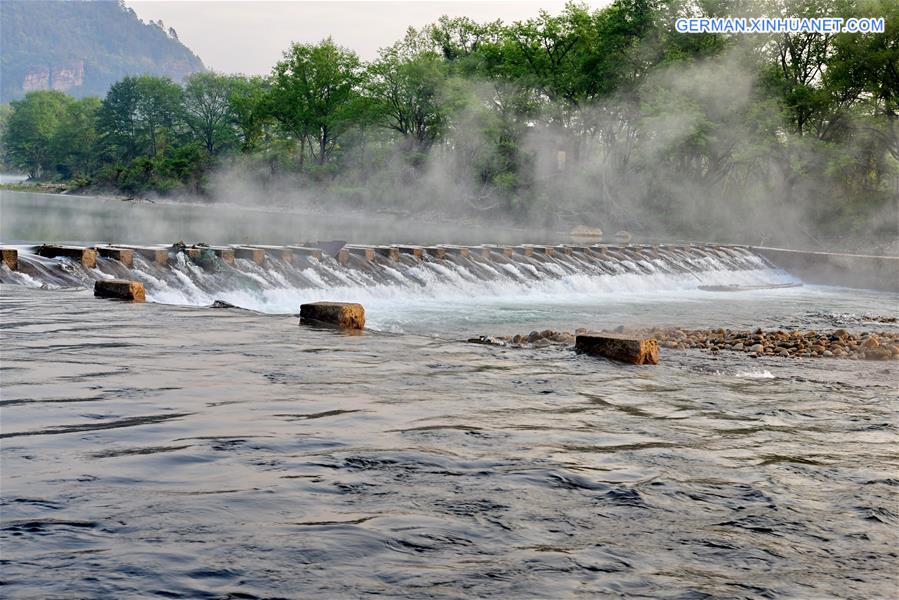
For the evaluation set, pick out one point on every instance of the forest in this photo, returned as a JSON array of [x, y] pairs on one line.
[[607, 117]]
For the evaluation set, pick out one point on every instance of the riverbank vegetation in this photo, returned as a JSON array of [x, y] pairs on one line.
[[605, 117]]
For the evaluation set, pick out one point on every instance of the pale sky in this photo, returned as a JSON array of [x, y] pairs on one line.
[[243, 36]]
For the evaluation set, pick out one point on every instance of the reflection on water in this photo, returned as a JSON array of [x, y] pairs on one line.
[[34, 217], [186, 452]]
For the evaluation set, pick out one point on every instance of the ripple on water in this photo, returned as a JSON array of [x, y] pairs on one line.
[[227, 454]]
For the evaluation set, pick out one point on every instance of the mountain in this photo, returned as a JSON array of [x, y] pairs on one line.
[[82, 47]]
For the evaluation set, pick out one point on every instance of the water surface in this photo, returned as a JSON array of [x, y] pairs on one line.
[[172, 451]]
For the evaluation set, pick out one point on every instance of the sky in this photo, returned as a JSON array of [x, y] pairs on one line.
[[243, 36]]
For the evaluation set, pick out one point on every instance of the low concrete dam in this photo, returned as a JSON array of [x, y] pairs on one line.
[[272, 278]]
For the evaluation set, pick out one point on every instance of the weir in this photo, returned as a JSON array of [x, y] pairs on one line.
[[199, 274], [264, 275]]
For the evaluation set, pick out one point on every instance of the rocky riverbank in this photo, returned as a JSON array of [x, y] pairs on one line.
[[837, 343]]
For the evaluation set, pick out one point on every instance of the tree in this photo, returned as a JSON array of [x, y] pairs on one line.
[[316, 95], [247, 101], [138, 116], [411, 91], [31, 128], [74, 143], [207, 110]]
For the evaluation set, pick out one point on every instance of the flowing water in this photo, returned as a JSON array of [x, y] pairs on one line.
[[169, 449]]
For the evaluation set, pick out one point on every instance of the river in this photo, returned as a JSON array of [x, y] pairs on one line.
[[169, 449]]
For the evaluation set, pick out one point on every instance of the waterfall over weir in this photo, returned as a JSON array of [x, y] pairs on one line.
[[278, 279]]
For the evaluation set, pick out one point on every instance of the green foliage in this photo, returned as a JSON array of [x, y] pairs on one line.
[[316, 94], [412, 92], [31, 131], [604, 115]]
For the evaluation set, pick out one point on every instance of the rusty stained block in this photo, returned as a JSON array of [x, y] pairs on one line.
[[123, 255], [437, 252], [346, 315], [633, 350], [545, 250], [10, 258], [561, 249], [256, 255], [87, 256], [120, 289]]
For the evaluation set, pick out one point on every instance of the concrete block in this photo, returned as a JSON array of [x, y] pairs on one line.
[[120, 289], [280, 252], [123, 255], [256, 255], [389, 252], [416, 251], [346, 315], [343, 256], [10, 258], [226, 255], [156, 255], [545, 250], [637, 351], [522, 250], [457, 251], [87, 256], [366, 252]]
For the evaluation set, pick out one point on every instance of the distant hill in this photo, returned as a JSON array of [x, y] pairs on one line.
[[83, 46]]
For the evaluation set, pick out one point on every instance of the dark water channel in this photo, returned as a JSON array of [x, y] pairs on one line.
[[164, 451]]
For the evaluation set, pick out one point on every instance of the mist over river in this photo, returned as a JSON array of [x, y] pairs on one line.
[[169, 449]]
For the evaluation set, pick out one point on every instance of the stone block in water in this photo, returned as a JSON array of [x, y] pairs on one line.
[[346, 315], [123, 255], [366, 252], [623, 348], [10, 257], [389, 252], [462, 251], [156, 255], [87, 256], [225, 254], [523, 250], [120, 289], [256, 255], [416, 251]]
